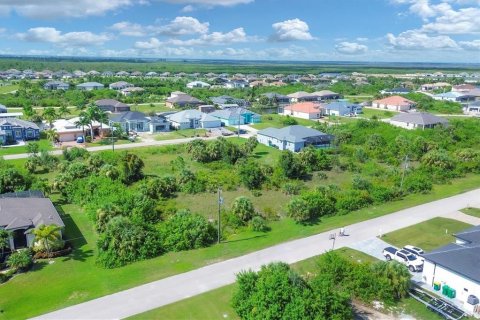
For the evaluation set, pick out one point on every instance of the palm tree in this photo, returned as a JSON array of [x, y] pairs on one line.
[[50, 115], [82, 122], [47, 236], [102, 118], [91, 114], [52, 135], [397, 276], [63, 110]]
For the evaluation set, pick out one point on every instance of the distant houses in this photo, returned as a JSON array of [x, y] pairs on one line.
[[182, 100], [394, 103], [294, 138], [222, 101], [342, 108], [305, 110], [198, 84], [193, 119], [395, 91], [120, 85], [417, 120], [89, 86], [56, 85], [112, 105]]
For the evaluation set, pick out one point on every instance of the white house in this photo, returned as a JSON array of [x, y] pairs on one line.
[[198, 84], [88, 86], [294, 138], [417, 120], [457, 266], [68, 130], [472, 108], [193, 119]]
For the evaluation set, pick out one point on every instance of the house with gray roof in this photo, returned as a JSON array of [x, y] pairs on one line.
[[56, 85], [471, 108], [3, 109], [23, 211], [182, 100], [276, 98], [112, 105], [342, 108], [89, 86], [236, 115], [457, 265], [228, 100], [13, 130], [138, 122], [193, 119], [294, 138], [120, 85], [415, 120]]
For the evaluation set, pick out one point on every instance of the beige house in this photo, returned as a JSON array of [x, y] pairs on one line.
[[394, 103]]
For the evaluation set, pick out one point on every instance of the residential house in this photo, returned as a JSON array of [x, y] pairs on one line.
[[453, 96], [236, 84], [227, 100], [182, 101], [56, 85], [395, 91], [235, 116], [305, 110], [138, 122], [198, 84], [294, 138], [193, 119], [89, 86], [463, 87], [69, 130], [93, 73], [208, 108], [131, 90], [415, 120], [136, 74], [151, 74], [456, 265], [434, 86], [112, 105], [122, 74], [21, 212], [120, 85], [108, 74], [276, 98], [13, 130], [393, 103], [342, 108], [302, 96], [472, 108], [325, 95]]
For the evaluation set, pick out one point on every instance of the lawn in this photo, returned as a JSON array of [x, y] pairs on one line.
[[43, 144], [427, 235], [472, 211], [180, 134], [8, 88], [151, 107], [380, 114], [276, 121]]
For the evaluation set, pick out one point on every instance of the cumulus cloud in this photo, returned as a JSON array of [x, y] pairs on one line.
[[126, 28], [188, 8], [351, 48], [470, 45], [291, 30], [183, 26], [416, 40], [47, 9], [54, 36], [450, 21], [214, 38], [224, 3]]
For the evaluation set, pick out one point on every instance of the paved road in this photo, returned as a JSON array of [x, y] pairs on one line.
[[159, 293]]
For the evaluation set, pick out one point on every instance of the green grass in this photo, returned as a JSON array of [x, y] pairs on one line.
[[416, 309], [147, 108], [276, 121], [472, 211], [381, 114], [8, 88], [180, 134], [427, 235], [43, 144]]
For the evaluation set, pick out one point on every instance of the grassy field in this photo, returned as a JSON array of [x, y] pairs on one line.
[[43, 143], [380, 114], [180, 134], [276, 121], [151, 107], [472, 211], [427, 235], [8, 88]]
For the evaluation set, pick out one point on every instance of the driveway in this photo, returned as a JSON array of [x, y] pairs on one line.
[[373, 247], [169, 290]]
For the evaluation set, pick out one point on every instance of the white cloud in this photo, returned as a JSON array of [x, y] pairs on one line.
[[450, 21], [126, 28], [211, 3], [188, 8], [416, 40], [54, 36], [153, 43], [183, 26], [470, 45], [291, 30], [47, 9], [351, 48], [214, 38]]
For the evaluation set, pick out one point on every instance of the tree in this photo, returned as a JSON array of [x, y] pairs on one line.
[[243, 208], [297, 210], [50, 115], [250, 145], [396, 279], [63, 111], [12, 180], [438, 159], [4, 238], [52, 135], [82, 122], [251, 174], [33, 148], [291, 166], [48, 238], [20, 260], [132, 167], [156, 188]]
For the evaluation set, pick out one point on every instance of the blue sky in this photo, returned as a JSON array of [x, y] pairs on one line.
[[353, 30]]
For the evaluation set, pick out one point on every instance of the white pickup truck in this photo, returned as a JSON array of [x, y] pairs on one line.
[[403, 256]]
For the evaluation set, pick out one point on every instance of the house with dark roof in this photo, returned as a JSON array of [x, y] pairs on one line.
[[13, 130], [276, 98], [89, 86], [395, 91], [23, 211], [112, 105], [417, 120], [227, 100], [342, 108], [294, 138], [119, 85], [182, 100], [138, 122], [56, 85], [471, 108], [457, 265], [236, 115]]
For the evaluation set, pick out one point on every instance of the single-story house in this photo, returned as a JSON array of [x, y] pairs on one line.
[[472, 108], [236, 84], [226, 100], [68, 130], [56, 85], [3, 109], [236, 116], [305, 110], [12, 130], [342, 108], [434, 86], [88, 86], [193, 119], [417, 120], [198, 84], [302, 96], [112, 105], [276, 98], [207, 108], [464, 87], [128, 91], [23, 211], [294, 138], [396, 91], [456, 265], [394, 103], [182, 101], [325, 95], [139, 122], [120, 85]]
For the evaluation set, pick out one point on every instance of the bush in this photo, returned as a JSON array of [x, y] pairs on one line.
[[258, 224], [289, 121], [292, 188], [185, 231], [156, 188], [243, 208], [251, 174], [20, 260], [297, 209], [74, 153], [353, 200]]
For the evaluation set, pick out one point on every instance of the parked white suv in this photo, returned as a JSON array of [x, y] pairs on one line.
[[403, 256], [418, 252]]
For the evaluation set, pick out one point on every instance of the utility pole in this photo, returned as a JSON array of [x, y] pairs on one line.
[[220, 202], [112, 138], [405, 167]]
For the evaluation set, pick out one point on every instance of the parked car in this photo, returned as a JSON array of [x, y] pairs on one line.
[[415, 251], [410, 260], [80, 139]]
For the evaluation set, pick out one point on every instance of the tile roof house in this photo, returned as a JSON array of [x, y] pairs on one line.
[[394, 103], [235, 116], [139, 122], [68, 130], [294, 138], [182, 101], [416, 120], [302, 96], [89, 86], [112, 105], [457, 265], [305, 110], [21, 212], [13, 130], [193, 119]]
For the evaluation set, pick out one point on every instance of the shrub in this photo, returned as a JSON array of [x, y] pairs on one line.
[[243, 208], [292, 188], [20, 260], [132, 167], [353, 200], [258, 224], [251, 174], [297, 209], [74, 153], [156, 188]]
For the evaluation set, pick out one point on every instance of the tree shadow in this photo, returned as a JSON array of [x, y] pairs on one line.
[[71, 233], [239, 240], [261, 154], [39, 265], [78, 255]]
